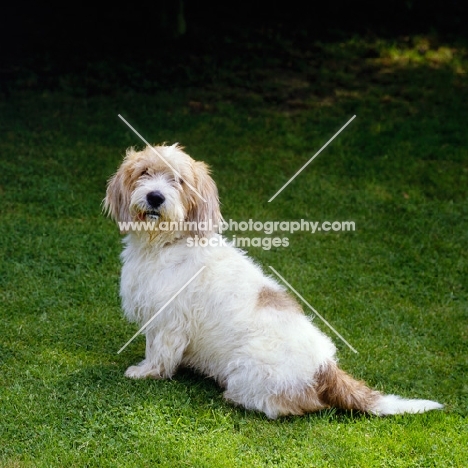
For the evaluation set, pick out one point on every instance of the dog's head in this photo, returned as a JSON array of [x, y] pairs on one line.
[[162, 184]]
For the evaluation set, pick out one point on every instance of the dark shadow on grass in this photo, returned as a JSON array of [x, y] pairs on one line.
[[108, 389]]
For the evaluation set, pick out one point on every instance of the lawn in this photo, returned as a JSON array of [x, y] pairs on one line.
[[395, 288]]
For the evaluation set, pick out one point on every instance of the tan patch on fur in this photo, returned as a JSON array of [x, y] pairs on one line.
[[299, 404], [279, 300], [338, 389]]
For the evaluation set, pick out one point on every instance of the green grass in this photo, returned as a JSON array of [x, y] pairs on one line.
[[396, 288]]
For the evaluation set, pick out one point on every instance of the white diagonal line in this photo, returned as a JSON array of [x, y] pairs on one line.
[[161, 309], [313, 310], [159, 154], [312, 158]]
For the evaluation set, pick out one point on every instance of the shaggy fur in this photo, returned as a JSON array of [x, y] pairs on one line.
[[232, 323]]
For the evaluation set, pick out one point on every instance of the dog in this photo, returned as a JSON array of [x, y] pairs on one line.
[[210, 307]]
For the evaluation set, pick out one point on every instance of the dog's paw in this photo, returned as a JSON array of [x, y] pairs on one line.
[[143, 371]]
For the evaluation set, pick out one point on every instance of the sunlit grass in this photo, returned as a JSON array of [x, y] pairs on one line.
[[424, 50]]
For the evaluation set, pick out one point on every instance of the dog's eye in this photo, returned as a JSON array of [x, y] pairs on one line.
[[181, 181], [144, 173]]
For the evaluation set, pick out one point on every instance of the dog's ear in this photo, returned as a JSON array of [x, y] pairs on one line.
[[204, 210], [117, 201]]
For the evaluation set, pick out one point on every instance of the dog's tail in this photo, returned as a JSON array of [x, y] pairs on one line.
[[338, 389]]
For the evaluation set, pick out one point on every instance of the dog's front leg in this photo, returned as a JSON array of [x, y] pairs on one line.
[[164, 352]]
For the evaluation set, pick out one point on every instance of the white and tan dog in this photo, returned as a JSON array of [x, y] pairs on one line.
[[232, 322]]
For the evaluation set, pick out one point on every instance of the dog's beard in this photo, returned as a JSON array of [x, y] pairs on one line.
[[158, 225], [171, 209], [155, 215], [142, 214], [163, 214]]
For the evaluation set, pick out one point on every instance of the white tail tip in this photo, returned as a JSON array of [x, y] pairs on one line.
[[393, 404]]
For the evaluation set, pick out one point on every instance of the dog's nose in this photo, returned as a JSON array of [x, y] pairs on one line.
[[155, 199]]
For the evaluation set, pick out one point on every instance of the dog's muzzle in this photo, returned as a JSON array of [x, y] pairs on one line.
[[155, 199]]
